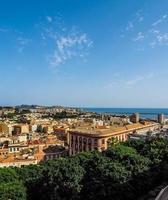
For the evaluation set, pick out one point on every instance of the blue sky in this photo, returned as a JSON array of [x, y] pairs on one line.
[[96, 53]]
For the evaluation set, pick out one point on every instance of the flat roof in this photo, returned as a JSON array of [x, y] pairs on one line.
[[98, 132]]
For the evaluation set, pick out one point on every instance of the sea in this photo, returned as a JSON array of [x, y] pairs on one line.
[[145, 113]]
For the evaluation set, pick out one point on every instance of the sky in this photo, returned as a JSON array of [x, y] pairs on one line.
[[84, 53]]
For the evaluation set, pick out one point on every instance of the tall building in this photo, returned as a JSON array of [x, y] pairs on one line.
[[135, 118], [1, 113], [161, 119]]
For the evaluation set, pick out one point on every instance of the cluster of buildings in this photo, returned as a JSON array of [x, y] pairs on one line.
[[29, 136]]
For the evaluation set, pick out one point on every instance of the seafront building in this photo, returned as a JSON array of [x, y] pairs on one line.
[[89, 139], [161, 118]]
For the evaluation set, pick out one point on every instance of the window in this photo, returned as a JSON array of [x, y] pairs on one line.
[[90, 148], [80, 147], [123, 137], [89, 141], [103, 141], [95, 141], [84, 147], [84, 141], [76, 147]]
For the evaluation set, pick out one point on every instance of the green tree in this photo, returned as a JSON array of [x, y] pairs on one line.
[[102, 176], [8, 175], [155, 149], [129, 158], [112, 141], [12, 191], [32, 178], [61, 179], [10, 185]]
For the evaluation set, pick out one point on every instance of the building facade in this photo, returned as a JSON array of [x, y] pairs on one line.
[[81, 141]]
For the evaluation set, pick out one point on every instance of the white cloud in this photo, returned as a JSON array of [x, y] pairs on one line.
[[139, 16], [56, 59], [141, 19], [43, 36], [157, 22], [66, 44], [160, 20], [153, 36], [154, 31], [162, 38], [164, 16], [134, 81], [153, 44], [139, 79], [140, 36], [22, 43], [68, 47], [158, 38], [129, 26], [130, 82], [49, 19]]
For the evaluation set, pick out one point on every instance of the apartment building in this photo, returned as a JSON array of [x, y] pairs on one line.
[[20, 128], [89, 139]]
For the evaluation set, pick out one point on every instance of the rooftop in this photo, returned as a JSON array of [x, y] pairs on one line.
[[111, 130]]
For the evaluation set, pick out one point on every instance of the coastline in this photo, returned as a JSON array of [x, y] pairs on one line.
[[150, 113]]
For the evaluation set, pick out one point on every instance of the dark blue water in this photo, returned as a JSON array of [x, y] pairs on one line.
[[150, 113]]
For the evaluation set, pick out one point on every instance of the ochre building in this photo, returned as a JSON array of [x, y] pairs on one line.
[[85, 139]]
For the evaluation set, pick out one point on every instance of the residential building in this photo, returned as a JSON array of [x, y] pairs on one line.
[[20, 128], [97, 139]]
